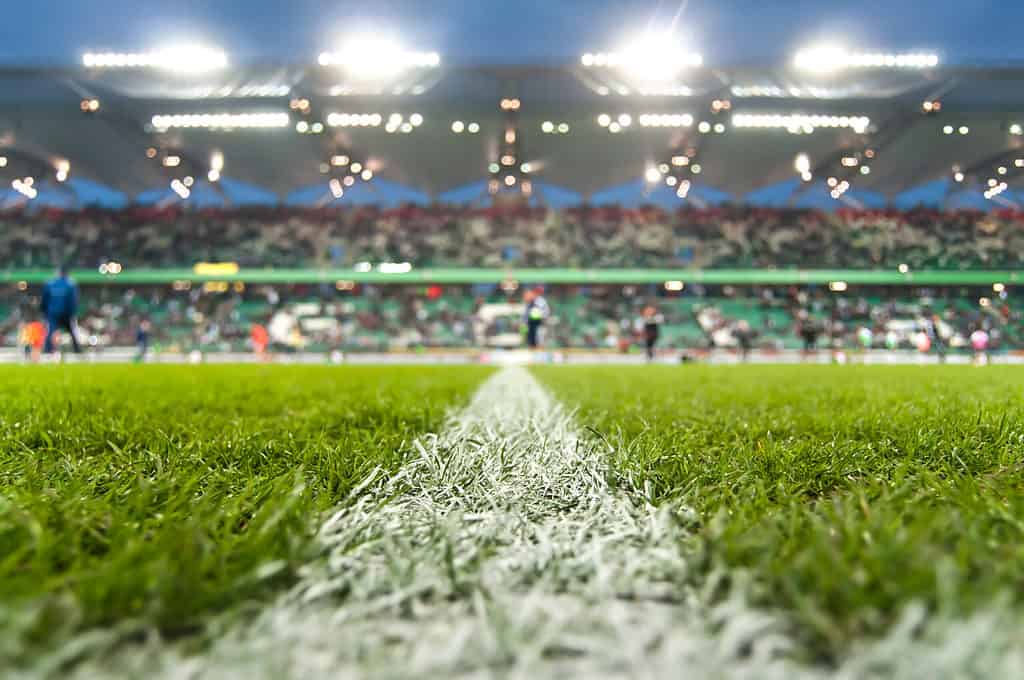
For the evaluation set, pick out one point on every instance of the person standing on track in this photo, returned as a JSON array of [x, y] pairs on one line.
[[142, 340], [31, 338], [808, 330], [930, 327], [744, 335], [979, 341], [651, 320], [537, 312], [60, 307]]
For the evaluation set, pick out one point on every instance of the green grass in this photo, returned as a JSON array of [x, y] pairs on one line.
[[158, 495], [842, 493]]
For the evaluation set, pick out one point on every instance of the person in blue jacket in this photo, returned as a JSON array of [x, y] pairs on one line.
[[60, 307]]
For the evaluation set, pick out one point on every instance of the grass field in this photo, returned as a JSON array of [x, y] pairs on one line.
[[843, 494], [155, 495], [836, 498]]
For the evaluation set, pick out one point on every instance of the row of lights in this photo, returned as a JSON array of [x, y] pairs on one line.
[[838, 187], [25, 187], [550, 127], [184, 59], [220, 120], [704, 127], [306, 128], [459, 126], [800, 121], [379, 57], [995, 190], [668, 120], [371, 119], [640, 57], [949, 129], [827, 59]]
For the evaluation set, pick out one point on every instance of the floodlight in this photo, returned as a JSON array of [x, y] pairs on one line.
[[25, 188], [802, 163], [649, 57], [372, 58], [179, 188], [220, 120], [185, 58], [831, 58]]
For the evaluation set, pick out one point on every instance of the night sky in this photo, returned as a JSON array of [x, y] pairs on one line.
[[725, 31]]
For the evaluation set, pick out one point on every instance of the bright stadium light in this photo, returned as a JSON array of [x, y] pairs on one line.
[[802, 163], [336, 189], [25, 188], [221, 120], [832, 58], [216, 165], [178, 187], [649, 57], [63, 168], [652, 175], [188, 59], [375, 58]]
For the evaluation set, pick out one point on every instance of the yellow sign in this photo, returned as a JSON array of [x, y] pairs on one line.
[[215, 268]]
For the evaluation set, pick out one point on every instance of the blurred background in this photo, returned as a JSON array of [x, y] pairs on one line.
[[807, 181]]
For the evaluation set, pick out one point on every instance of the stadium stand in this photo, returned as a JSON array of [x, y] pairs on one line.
[[581, 237]]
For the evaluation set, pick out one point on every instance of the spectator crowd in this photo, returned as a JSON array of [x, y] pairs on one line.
[[218, 316], [581, 237]]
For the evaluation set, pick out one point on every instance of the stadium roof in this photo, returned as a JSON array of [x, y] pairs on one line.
[[44, 118]]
